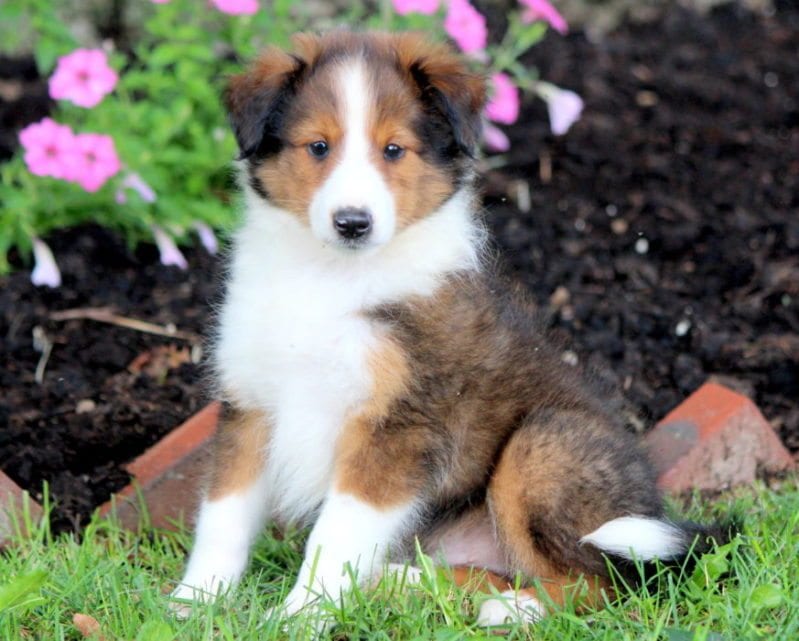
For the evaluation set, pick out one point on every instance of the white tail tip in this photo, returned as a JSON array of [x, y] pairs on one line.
[[638, 537]]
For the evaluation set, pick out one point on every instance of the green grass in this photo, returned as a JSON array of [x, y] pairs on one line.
[[121, 578]]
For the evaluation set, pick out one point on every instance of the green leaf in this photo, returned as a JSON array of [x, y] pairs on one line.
[[711, 567], [18, 592], [767, 596], [155, 631], [45, 53], [447, 634], [678, 634], [165, 54]]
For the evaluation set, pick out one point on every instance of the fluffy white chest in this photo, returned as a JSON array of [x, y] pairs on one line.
[[294, 341], [295, 345]]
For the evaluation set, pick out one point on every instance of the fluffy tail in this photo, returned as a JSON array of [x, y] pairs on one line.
[[643, 538]]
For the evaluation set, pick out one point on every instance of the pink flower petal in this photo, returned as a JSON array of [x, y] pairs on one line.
[[136, 183], [495, 139], [543, 10], [237, 7], [170, 254], [98, 161], [466, 26], [564, 106], [504, 103], [425, 7], [45, 270], [49, 149], [207, 237], [83, 77]]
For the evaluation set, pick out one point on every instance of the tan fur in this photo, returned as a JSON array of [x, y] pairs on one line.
[[583, 593], [479, 580], [366, 468], [419, 187], [293, 177], [239, 451], [446, 68]]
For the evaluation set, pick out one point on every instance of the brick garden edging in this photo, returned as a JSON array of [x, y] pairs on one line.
[[12, 507], [714, 439], [168, 476]]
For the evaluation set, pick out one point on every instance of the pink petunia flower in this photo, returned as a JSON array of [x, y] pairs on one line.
[[159, 1], [83, 77], [98, 160], [207, 237], [425, 7], [543, 10], [49, 149], [169, 252], [504, 104], [494, 138], [237, 7], [45, 270], [466, 26], [564, 106]]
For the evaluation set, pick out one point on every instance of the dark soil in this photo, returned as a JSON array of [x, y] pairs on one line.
[[109, 392], [662, 242], [666, 243]]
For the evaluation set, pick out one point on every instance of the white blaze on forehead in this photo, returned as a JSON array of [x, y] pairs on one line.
[[357, 100], [355, 181]]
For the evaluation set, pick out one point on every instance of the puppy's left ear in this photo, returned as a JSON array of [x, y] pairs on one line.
[[448, 87], [256, 100]]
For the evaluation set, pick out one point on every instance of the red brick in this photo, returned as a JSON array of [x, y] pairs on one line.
[[714, 439], [12, 505], [169, 475]]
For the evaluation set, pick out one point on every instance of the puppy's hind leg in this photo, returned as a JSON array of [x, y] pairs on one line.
[[561, 476], [233, 510]]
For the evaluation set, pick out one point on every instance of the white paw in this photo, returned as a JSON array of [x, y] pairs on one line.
[[509, 608], [308, 606], [186, 594], [300, 598], [406, 574], [179, 609]]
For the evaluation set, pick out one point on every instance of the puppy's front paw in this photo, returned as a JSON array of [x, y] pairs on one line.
[[299, 599], [403, 574], [183, 597], [307, 606]]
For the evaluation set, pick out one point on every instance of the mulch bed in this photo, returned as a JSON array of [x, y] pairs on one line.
[[662, 241], [108, 391]]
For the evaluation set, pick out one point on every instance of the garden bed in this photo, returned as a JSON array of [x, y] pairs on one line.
[[662, 241]]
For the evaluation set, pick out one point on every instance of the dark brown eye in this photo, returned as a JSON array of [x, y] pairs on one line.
[[393, 152], [319, 149]]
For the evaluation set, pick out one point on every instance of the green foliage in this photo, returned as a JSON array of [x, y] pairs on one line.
[[22, 593]]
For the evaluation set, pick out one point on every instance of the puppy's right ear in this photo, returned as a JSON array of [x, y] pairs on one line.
[[256, 99]]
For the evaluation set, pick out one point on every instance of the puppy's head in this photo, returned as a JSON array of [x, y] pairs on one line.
[[357, 135]]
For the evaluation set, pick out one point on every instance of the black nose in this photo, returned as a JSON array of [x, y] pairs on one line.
[[352, 223]]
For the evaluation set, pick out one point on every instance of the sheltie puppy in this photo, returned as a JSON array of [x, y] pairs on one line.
[[380, 381]]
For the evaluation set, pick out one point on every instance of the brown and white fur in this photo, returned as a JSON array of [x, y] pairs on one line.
[[381, 382]]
